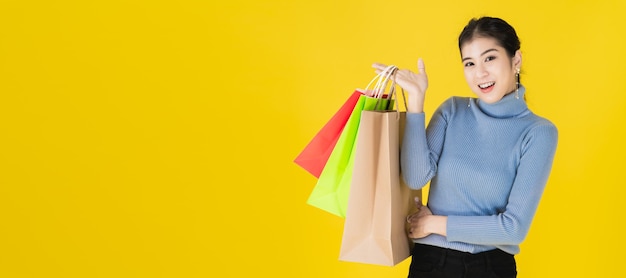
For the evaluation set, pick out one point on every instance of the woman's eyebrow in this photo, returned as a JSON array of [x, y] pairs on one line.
[[482, 54]]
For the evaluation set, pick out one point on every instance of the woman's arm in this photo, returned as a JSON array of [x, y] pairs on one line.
[[424, 223], [420, 146], [511, 226]]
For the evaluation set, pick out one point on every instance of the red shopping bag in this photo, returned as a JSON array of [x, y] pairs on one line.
[[315, 155]]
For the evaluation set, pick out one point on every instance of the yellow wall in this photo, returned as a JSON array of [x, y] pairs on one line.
[[156, 138]]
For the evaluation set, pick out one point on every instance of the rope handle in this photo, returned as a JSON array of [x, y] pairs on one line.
[[382, 79]]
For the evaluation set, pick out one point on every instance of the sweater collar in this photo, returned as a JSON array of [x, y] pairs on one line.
[[508, 106]]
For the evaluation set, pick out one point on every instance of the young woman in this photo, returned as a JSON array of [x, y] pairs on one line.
[[487, 159]]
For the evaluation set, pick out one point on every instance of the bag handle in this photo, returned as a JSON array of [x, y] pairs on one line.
[[392, 95], [383, 85], [382, 79], [393, 88]]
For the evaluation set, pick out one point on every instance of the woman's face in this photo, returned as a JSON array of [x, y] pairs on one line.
[[489, 71]]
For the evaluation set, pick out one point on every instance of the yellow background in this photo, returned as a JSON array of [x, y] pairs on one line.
[[156, 138]]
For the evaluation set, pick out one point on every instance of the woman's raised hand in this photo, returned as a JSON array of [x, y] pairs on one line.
[[415, 84]]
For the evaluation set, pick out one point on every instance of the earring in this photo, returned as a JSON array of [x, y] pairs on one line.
[[517, 84]]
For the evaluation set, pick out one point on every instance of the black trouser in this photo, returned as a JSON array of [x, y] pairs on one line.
[[436, 262]]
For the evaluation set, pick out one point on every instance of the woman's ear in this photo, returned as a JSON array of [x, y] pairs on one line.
[[517, 59]]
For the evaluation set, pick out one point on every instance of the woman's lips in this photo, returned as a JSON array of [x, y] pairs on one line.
[[486, 87]]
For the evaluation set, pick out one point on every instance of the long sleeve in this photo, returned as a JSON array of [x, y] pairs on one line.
[[511, 226], [421, 147], [488, 165]]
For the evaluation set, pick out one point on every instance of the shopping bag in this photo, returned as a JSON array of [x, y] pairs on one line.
[[379, 200], [333, 186], [314, 156]]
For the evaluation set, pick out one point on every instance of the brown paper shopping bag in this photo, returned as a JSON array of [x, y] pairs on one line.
[[333, 186], [379, 201]]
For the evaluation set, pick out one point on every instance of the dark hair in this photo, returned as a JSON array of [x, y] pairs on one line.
[[491, 27]]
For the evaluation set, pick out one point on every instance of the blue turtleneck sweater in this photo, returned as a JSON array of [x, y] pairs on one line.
[[487, 165]]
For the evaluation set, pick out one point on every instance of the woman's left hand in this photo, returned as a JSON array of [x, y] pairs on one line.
[[418, 220]]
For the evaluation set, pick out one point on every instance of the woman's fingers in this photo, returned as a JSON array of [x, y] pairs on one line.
[[420, 66], [379, 67], [418, 203]]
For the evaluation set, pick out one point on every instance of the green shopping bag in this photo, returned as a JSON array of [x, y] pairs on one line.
[[333, 186]]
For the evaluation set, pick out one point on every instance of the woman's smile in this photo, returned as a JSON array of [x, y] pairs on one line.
[[486, 87]]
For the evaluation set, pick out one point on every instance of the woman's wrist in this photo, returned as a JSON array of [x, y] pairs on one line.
[[415, 105], [437, 224]]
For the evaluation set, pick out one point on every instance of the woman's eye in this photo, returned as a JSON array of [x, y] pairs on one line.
[[489, 58], [469, 64]]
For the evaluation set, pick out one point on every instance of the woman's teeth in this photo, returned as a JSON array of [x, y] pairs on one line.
[[486, 85]]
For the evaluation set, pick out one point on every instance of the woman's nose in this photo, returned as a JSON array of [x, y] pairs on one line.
[[481, 71]]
